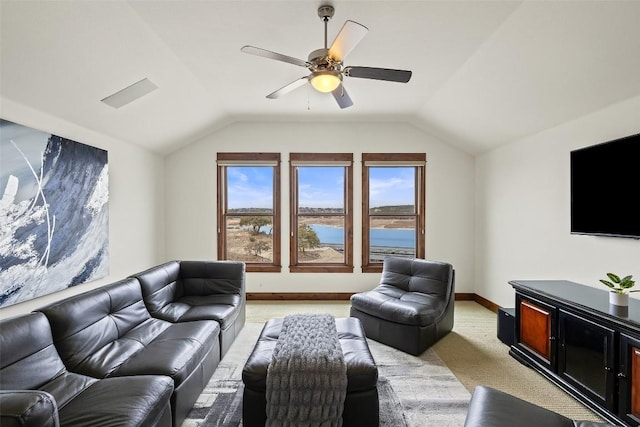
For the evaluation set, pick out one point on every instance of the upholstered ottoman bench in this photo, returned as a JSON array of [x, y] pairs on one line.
[[361, 402]]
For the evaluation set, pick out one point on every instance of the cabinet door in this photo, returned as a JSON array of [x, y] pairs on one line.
[[535, 329], [629, 379], [586, 357]]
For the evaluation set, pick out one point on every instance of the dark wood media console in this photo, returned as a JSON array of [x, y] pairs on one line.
[[569, 333]]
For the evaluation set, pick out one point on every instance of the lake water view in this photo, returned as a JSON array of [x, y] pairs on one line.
[[385, 237]]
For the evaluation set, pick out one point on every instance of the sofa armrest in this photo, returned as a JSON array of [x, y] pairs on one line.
[[201, 278], [28, 408]]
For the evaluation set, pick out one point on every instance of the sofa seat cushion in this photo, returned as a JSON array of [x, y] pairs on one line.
[[176, 352], [126, 401], [362, 372], [223, 308], [396, 305], [67, 386], [106, 356]]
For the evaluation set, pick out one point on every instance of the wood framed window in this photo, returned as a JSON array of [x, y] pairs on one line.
[[393, 207], [248, 208], [321, 212]]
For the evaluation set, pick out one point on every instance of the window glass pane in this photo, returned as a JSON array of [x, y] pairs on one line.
[[392, 189], [390, 235], [249, 238], [321, 221], [321, 243], [320, 189], [250, 189]]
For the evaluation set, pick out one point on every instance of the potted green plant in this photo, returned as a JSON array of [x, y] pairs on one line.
[[619, 288]]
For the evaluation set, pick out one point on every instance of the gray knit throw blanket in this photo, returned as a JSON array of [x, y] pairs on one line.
[[307, 376]]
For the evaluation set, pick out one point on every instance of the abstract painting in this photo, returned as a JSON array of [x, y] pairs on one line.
[[54, 215]]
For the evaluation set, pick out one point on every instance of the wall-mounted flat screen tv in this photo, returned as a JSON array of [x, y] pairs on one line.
[[605, 188]]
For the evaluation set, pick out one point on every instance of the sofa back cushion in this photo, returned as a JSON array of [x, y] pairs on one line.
[[87, 327], [212, 277], [418, 275], [28, 357], [160, 285], [167, 283]]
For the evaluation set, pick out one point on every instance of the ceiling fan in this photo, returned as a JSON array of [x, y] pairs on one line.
[[326, 64]]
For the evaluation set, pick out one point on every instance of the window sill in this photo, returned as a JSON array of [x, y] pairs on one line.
[[321, 268], [266, 268]]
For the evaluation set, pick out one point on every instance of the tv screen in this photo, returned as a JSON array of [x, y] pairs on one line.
[[605, 188]]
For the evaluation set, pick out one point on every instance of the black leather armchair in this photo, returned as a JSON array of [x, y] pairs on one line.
[[184, 291], [411, 308], [493, 408]]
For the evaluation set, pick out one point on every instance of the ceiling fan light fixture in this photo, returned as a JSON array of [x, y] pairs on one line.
[[326, 64], [326, 81]]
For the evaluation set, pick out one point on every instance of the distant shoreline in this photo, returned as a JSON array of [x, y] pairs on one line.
[[398, 223], [378, 253], [372, 228]]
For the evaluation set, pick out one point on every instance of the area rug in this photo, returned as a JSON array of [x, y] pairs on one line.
[[414, 391]]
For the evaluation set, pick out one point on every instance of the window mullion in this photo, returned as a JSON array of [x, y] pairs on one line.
[[293, 216], [420, 210]]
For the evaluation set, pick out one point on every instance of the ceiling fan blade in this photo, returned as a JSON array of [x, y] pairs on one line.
[[400, 76], [349, 36], [273, 55], [342, 97], [288, 88]]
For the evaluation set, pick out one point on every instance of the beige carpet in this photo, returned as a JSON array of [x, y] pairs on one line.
[[471, 351], [476, 356]]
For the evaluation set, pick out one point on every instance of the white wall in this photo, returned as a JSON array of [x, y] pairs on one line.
[[136, 203], [523, 206], [191, 195]]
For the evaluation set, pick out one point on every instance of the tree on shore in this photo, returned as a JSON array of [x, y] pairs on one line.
[[256, 246], [307, 238], [255, 222]]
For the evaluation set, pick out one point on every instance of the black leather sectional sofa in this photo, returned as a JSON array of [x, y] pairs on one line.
[[137, 352]]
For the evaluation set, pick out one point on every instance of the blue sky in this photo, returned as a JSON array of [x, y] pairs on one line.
[[391, 186], [252, 186], [321, 187]]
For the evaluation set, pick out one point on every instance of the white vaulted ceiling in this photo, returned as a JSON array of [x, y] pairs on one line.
[[485, 73]]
